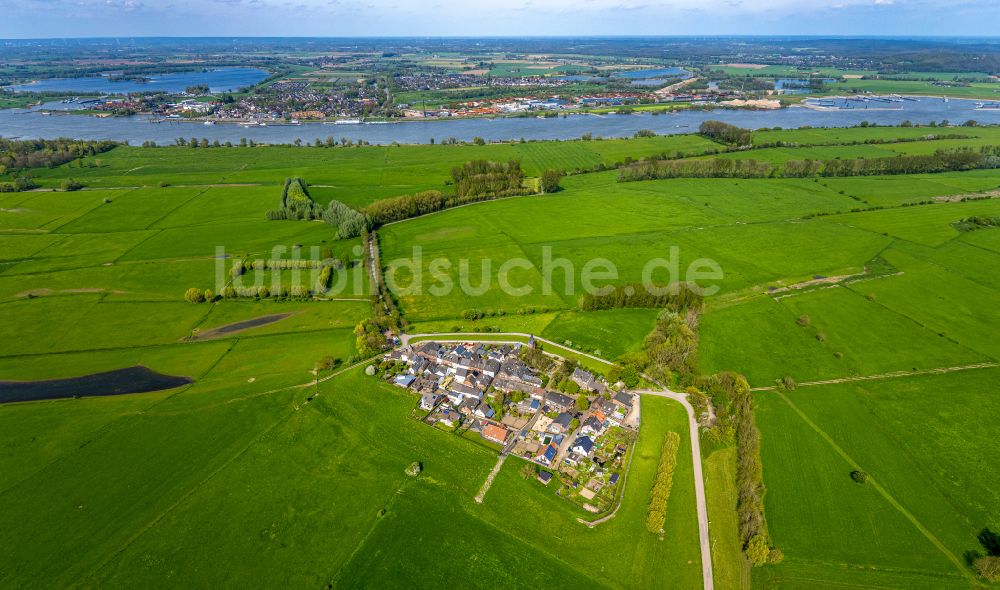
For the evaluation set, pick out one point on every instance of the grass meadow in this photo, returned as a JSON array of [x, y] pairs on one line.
[[927, 441], [255, 475]]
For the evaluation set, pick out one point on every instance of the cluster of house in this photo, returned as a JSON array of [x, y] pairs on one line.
[[298, 101], [459, 384], [453, 381], [441, 81], [571, 437]]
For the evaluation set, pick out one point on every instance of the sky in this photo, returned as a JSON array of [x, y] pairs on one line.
[[353, 18]]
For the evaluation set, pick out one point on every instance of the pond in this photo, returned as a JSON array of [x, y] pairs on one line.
[[136, 379]]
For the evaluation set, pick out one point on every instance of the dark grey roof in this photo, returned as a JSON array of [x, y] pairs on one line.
[[556, 398], [584, 442]]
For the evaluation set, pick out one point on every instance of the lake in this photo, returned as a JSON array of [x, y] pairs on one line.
[[218, 80], [797, 85], [651, 74], [30, 123]]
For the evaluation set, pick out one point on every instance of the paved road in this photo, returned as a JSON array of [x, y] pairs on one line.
[[699, 483], [699, 479]]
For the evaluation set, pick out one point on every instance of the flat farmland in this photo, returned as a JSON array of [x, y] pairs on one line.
[[297, 475], [928, 454]]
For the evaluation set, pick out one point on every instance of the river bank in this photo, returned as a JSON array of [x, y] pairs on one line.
[[32, 124]]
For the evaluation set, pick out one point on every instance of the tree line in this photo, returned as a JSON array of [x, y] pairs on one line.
[[675, 297], [669, 355], [47, 153], [350, 223], [656, 512], [296, 203], [975, 222], [483, 178], [708, 168], [733, 402], [955, 160], [474, 181]]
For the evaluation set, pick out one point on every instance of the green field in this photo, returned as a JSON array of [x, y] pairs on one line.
[[935, 489], [257, 475]]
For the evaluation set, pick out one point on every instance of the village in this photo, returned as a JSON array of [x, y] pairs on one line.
[[565, 422], [294, 101]]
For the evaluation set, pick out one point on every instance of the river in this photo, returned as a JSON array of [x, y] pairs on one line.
[[31, 123]]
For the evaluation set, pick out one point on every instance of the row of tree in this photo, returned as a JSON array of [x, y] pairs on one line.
[[47, 153], [867, 141], [242, 266], [386, 312], [940, 161], [976, 222], [483, 178], [734, 406], [296, 203], [23, 182], [707, 168], [471, 189], [675, 297], [350, 223], [656, 512], [195, 295]]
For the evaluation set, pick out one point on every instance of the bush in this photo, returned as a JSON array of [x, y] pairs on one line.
[[988, 567], [725, 133], [194, 295], [328, 363], [757, 551], [414, 469], [860, 476], [775, 556], [550, 181], [71, 184], [804, 320]]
